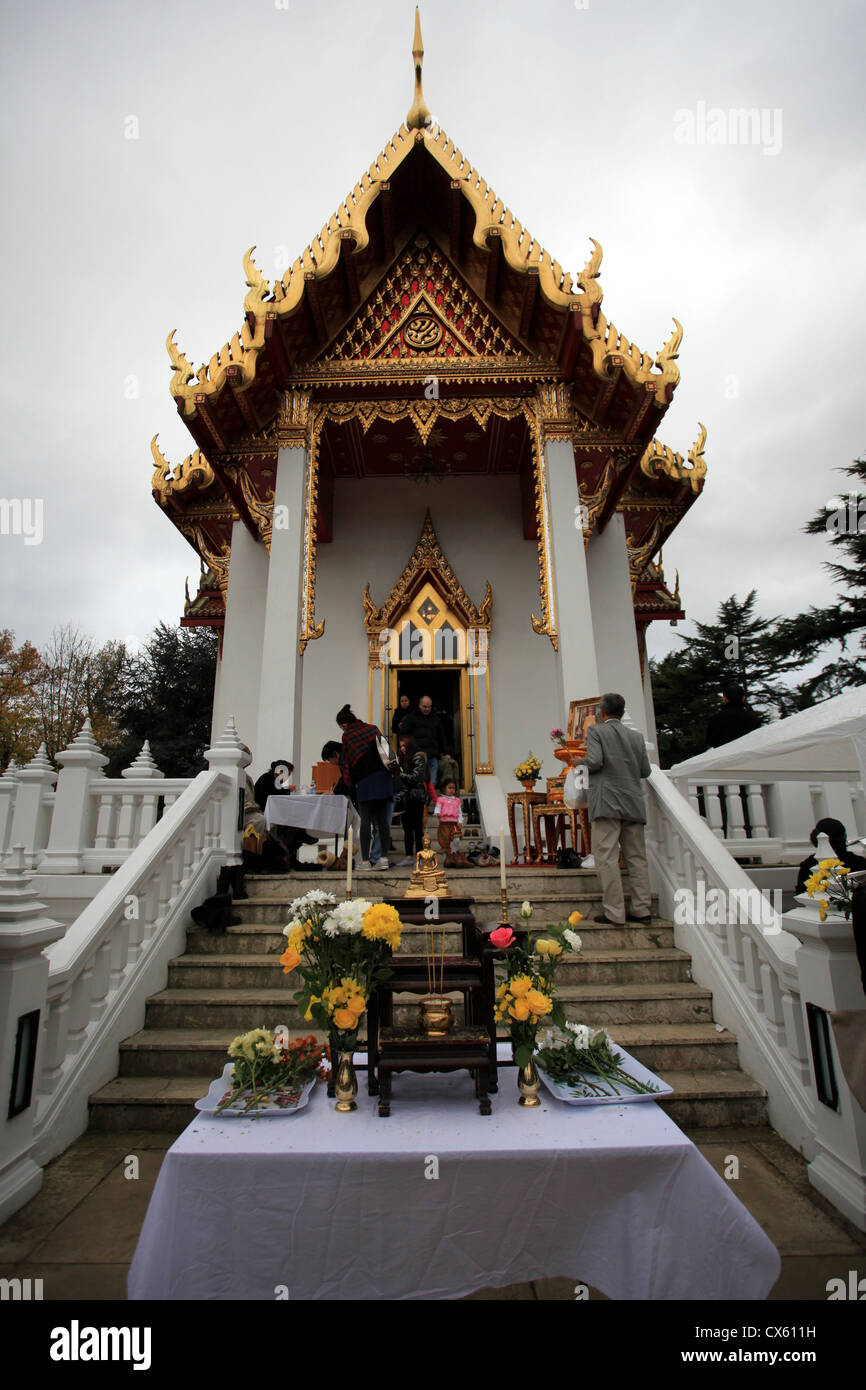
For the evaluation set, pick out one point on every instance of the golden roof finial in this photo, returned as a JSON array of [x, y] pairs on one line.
[[418, 116]]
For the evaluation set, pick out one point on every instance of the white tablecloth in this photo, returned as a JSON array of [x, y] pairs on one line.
[[335, 1206], [326, 815]]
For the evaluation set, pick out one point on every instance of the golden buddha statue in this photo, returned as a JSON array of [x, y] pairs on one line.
[[428, 880]]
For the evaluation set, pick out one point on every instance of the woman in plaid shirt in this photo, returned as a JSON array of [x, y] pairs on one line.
[[370, 783]]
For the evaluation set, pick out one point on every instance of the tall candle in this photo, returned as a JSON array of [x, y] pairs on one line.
[[349, 864], [502, 856]]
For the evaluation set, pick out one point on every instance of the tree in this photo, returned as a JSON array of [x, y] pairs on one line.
[[165, 695], [20, 727], [687, 685], [806, 636], [75, 681]]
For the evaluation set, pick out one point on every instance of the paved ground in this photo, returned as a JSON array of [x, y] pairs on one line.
[[79, 1233]]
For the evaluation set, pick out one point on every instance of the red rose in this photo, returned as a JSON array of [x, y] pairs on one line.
[[503, 936]]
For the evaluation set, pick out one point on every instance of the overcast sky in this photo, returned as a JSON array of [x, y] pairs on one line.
[[256, 118]]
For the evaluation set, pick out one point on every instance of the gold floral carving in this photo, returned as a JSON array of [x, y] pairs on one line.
[[659, 459], [428, 558], [423, 414], [310, 629], [545, 626], [555, 411], [216, 562], [639, 555], [593, 502], [293, 420], [194, 472]]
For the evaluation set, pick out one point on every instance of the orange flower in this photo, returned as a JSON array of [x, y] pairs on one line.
[[289, 960], [520, 1010], [345, 1020]]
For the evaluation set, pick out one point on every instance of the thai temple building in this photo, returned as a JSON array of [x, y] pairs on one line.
[[427, 463]]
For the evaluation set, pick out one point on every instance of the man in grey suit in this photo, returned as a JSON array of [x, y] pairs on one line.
[[616, 760]]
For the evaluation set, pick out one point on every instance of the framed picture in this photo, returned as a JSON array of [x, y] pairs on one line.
[[581, 714]]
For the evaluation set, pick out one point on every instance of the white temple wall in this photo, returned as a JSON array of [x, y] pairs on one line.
[[377, 523], [613, 619], [236, 688]]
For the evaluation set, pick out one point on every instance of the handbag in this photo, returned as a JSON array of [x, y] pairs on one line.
[[575, 793]]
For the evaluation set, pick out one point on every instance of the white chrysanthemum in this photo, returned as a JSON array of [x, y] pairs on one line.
[[573, 939], [552, 1037], [601, 1033], [349, 916], [581, 1035]]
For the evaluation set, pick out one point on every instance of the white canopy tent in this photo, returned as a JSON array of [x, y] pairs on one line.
[[827, 741]]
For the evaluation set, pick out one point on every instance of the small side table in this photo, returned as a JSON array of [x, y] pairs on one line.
[[526, 800], [465, 1048], [557, 812]]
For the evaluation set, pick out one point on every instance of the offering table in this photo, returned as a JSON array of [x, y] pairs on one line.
[[332, 1206]]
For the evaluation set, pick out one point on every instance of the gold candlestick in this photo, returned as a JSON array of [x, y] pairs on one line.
[[503, 893]]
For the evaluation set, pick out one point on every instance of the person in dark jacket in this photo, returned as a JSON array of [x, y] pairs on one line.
[[838, 837], [277, 782], [428, 732], [414, 776], [362, 768], [404, 707], [732, 721]]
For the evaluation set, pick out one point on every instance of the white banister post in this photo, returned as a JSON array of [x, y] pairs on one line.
[[830, 980], [24, 933], [81, 764], [736, 819], [8, 786], [714, 808], [144, 766], [34, 782], [229, 757], [757, 811]]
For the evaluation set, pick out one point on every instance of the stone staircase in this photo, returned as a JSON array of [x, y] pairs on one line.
[[630, 978]]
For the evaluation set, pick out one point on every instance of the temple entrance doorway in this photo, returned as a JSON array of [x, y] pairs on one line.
[[449, 689]]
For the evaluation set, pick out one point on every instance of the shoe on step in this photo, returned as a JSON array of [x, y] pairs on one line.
[[365, 865], [600, 917], [382, 864]]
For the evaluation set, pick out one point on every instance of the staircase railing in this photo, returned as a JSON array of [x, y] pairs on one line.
[[750, 955], [112, 958]]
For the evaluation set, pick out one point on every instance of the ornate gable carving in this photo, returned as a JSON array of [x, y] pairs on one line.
[[427, 561], [423, 309]]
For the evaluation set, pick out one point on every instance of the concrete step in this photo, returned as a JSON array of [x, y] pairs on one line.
[[702, 1100], [260, 938], [390, 883], [547, 908], [248, 971], [683, 1047], [242, 1009]]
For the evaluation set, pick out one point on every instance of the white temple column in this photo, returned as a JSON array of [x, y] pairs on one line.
[[236, 691], [649, 710], [576, 664], [279, 722], [613, 618]]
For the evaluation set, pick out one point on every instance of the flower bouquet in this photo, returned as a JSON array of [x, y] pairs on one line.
[[341, 952], [528, 770], [527, 994], [583, 1059], [270, 1071], [829, 882]]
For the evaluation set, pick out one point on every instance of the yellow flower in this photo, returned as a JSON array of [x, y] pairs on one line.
[[289, 960], [346, 1020], [520, 986], [828, 863], [314, 999], [503, 989], [539, 1003], [822, 912], [356, 1005], [575, 918], [519, 1010], [542, 946], [844, 870], [382, 923]]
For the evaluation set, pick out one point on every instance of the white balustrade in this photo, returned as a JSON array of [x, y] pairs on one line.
[[761, 980]]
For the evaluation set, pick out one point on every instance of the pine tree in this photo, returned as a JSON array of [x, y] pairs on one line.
[[166, 696]]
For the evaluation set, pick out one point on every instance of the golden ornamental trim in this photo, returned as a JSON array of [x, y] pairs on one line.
[[555, 410], [428, 558], [310, 629], [659, 459], [293, 420], [349, 223], [640, 555], [423, 414], [215, 561], [593, 502], [194, 472], [546, 625]]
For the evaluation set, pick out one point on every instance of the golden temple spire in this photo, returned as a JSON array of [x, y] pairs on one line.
[[418, 116]]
